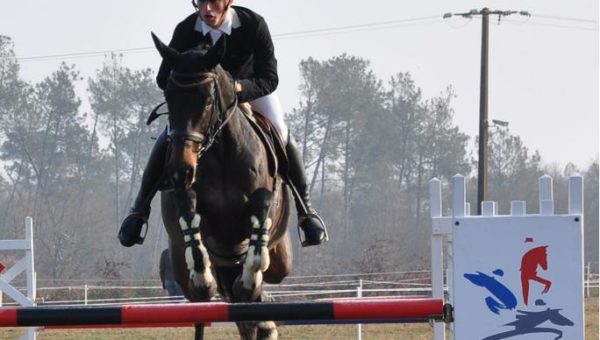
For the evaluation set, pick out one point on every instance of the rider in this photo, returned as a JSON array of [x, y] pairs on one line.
[[250, 60]]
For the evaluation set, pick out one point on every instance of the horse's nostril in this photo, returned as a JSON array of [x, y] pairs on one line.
[[190, 176]]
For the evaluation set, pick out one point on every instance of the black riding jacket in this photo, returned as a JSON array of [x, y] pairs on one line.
[[249, 58]]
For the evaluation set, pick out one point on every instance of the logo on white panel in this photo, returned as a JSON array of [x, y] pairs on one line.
[[538, 318]]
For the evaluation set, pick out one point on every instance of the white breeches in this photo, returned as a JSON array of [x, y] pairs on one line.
[[270, 107]]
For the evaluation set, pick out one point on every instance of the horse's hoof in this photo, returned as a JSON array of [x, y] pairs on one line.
[[203, 292], [131, 230], [314, 229], [266, 330]]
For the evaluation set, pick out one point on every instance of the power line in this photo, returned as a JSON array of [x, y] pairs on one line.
[[299, 34], [86, 54], [342, 29], [551, 25], [566, 18], [529, 21], [289, 35]]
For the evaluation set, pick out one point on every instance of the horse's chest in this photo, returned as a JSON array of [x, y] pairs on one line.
[[226, 188]]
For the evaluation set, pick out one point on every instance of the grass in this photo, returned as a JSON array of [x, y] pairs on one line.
[[229, 331]]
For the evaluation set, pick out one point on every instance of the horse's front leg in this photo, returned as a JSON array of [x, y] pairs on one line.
[[202, 283], [257, 261]]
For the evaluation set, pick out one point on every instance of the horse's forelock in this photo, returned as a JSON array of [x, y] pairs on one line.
[[190, 62]]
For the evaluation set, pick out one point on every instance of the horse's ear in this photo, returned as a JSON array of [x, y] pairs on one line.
[[215, 54], [165, 51]]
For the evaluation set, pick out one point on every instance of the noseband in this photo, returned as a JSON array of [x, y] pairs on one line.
[[216, 123]]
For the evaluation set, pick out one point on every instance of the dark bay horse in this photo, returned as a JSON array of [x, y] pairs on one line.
[[226, 216]]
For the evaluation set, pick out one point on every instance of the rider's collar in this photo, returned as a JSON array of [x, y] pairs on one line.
[[232, 20]]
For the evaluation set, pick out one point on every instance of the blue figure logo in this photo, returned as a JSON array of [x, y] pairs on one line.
[[502, 297]]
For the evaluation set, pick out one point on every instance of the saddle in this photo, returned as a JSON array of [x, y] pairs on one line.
[[268, 134]]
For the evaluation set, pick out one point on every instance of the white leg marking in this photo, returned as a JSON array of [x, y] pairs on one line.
[[199, 279], [257, 263], [264, 251], [251, 279], [260, 261]]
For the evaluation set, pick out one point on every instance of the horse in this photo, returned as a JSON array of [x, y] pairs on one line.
[[227, 211]]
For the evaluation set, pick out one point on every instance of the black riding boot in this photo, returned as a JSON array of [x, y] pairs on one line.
[[313, 226], [131, 228]]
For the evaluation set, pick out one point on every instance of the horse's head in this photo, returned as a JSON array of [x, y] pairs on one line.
[[199, 95]]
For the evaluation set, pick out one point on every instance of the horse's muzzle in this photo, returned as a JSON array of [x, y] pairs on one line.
[[182, 163], [183, 178]]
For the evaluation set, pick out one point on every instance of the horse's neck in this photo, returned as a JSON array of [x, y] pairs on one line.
[[233, 140]]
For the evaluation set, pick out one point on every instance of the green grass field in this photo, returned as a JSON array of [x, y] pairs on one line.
[[228, 331]]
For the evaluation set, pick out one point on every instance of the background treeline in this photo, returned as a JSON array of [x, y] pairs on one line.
[[371, 146]]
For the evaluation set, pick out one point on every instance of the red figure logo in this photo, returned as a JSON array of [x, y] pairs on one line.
[[529, 263]]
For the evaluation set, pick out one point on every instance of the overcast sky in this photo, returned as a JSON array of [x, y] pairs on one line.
[[543, 72]]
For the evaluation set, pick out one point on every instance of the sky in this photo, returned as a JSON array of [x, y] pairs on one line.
[[543, 69]]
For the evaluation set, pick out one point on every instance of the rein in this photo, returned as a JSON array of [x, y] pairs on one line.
[[205, 78]]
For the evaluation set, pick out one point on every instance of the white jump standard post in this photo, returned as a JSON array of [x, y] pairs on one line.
[[511, 276], [25, 264]]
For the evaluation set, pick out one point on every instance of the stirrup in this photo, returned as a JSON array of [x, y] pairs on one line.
[[301, 219]]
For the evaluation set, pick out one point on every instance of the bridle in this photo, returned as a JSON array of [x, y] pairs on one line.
[[216, 123]]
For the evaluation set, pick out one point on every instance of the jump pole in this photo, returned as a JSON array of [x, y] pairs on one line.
[[361, 310]]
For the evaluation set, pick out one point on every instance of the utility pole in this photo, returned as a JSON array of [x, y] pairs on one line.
[[482, 182]]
